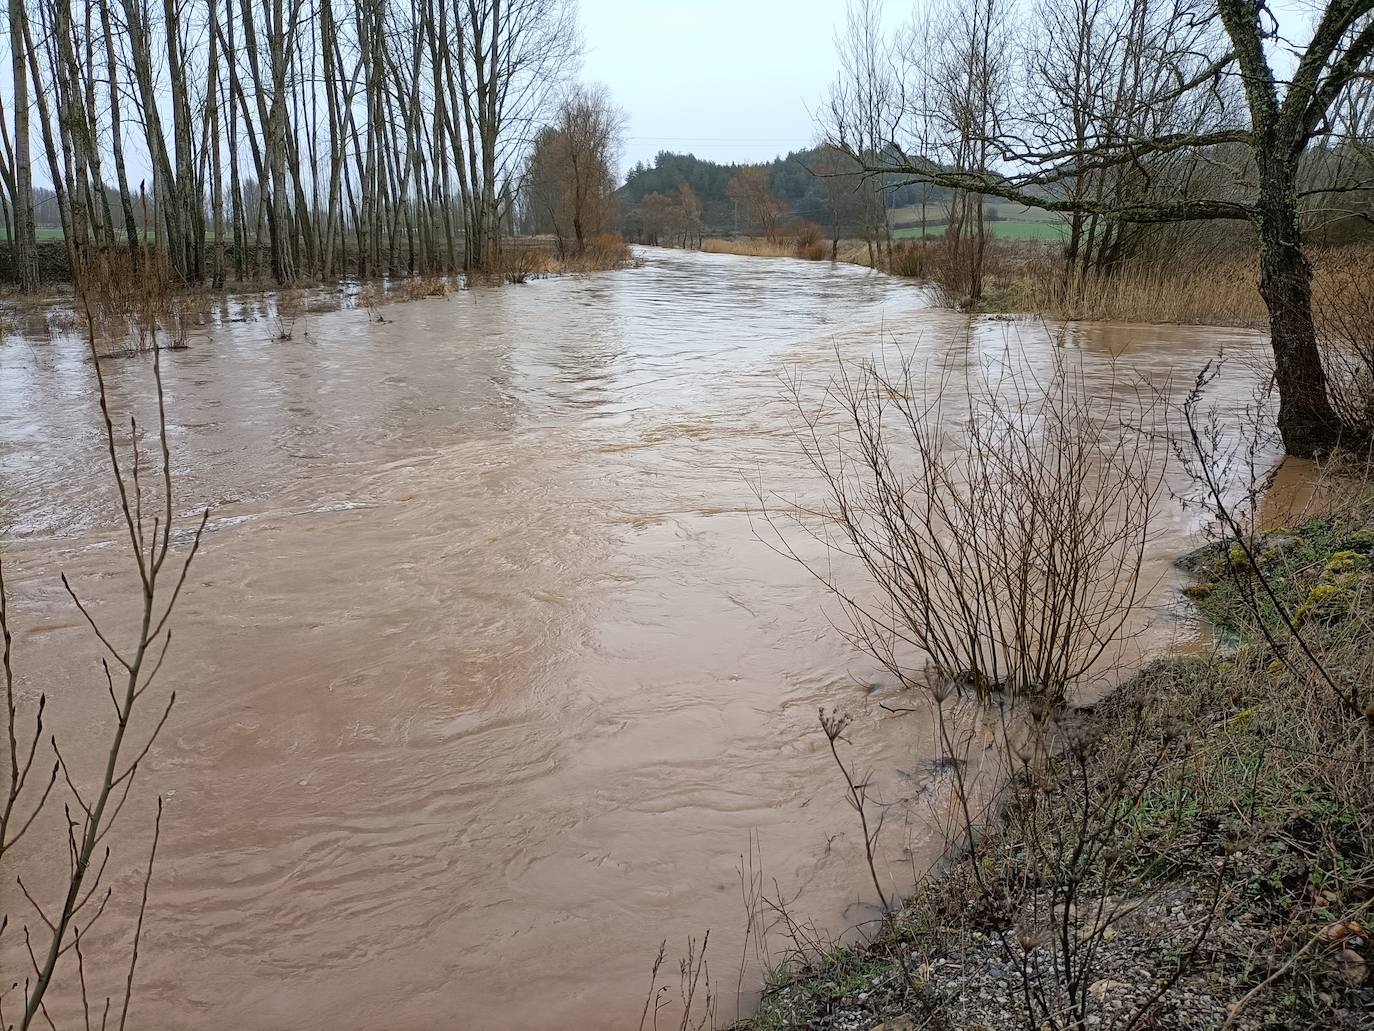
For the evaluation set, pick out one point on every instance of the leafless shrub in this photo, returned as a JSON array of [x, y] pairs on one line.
[[606, 250], [1001, 540], [1000, 536], [135, 307], [696, 995], [857, 787], [1345, 316], [130, 671], [809, 242], [910, 259], [289, 309], [419, 288], [521, 264], [371, 298]]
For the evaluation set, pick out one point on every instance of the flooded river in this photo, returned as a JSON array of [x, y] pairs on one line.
[[485, 679]]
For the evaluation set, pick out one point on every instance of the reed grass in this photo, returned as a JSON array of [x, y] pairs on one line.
[[749, 246], [540, 259], [1205, 289]]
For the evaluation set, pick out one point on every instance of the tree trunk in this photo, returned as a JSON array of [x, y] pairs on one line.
[[26, 250], [1307, 422]]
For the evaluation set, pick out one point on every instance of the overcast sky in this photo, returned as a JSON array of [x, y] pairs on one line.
[[731, 80], [734, 80]]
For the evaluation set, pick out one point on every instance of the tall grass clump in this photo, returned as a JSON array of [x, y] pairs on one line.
[[910, 259], [752, 247], [1191, 288], [808, 242], [1345, 320]]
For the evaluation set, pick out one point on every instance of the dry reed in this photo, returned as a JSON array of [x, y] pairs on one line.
[[1205, 289]]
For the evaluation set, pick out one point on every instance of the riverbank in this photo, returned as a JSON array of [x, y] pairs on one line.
[[527, 257], [1027, 278], [1199, 853], [132, 310]]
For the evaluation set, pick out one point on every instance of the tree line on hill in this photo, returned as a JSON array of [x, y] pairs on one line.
[[819, 185]]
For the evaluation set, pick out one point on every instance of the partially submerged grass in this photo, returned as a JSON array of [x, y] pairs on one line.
[[750, 246], [538, 259], [1205, 289]]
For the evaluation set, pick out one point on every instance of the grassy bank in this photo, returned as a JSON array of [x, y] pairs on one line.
[[1198, 852], [1022, 277], [1210, 289]]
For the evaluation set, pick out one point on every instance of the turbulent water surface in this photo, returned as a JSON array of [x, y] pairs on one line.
[[486, 674]]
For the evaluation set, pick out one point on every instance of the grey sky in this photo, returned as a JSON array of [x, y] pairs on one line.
[[731, 80], [736, 80]]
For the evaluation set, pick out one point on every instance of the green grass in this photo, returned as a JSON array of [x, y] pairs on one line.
[[53, 234], [1000, 230], [1010, 222]]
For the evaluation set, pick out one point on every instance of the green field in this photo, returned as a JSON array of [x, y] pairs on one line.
[[49, 234], [1011, 222]]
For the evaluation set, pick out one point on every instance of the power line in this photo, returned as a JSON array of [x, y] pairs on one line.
[[711, 139]]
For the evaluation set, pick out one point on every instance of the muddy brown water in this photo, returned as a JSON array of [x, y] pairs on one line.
[[485, 679]]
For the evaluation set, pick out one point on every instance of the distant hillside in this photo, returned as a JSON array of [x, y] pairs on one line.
[[789, 177]]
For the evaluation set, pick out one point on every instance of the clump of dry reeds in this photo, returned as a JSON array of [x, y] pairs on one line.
[[752, 246], [536, 259], [910, 259], [134, 304], [419, 288], [1344, 307], [1198, 289], [290, 308], [809, 242]]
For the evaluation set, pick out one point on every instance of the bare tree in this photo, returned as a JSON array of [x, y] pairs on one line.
[[1260, 144], [749, 189], [570, 178], [25, 243]]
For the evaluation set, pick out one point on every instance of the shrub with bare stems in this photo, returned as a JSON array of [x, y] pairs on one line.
[[809, 242], [1001, 542], [911, 259], [1001, 536], [521, 264], [289, 309], [140, 707], [1345, 317], [1200, 843], [696, 994]]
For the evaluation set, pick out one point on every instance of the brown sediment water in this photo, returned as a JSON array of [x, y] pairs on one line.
[[485, 679]]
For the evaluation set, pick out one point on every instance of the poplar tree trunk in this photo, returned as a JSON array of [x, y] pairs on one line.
[[25, 238]]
